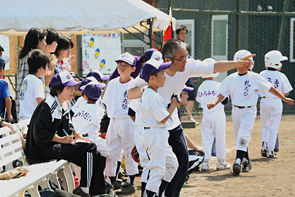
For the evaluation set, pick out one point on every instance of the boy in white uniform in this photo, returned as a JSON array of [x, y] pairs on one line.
[[243, 87], [213, 122], [121, 129], [32, 90], [155, 119], [271, 107]]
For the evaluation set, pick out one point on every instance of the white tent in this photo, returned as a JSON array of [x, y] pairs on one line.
[[79, 16]]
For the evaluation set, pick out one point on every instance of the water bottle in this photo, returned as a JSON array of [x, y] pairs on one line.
[[277, 144], [213, 153]]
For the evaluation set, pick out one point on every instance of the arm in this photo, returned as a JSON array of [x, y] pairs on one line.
[[8, 105], [223, 66], [50, 72], [281, 96], [39, 100], [286, 94], [218, 99], [174, 104], [192, 145], [135, 93]]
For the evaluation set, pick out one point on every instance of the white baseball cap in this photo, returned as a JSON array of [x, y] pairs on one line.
[[63, 78], [126, 57]]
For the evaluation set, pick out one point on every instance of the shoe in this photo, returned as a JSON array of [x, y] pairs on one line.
[[205, 167], [263, 152], [79, 191], [122, 177], [237, 168], [271, 155], [117, 185], [247, 166], [222, 166], [108, 188], [127, 188]]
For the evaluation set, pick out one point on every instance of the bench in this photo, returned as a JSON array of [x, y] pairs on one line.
[[11, 149]]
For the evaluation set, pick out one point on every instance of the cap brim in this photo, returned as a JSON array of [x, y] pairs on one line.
[[71, 83], [188, 89], [101, 85], [284, 58], [105, 77], [164, 66], [124, 60]]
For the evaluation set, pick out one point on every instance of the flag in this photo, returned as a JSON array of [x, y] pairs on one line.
[[168, 32]]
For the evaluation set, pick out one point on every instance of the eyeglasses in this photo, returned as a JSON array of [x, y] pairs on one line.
[[182, 59]]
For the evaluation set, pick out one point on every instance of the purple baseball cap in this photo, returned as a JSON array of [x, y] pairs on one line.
[[98, 75], [89, 80], [126, 57], [151, 66], [92, 90], [153, 54], [2, 62], [63, 78], [187, 89]]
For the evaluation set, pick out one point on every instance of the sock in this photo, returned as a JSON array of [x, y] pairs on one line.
[[264, 145], [131, 179], [143, 185], [150, 193], [85, 189], [240, 156], [247, 155], [163, 187], [118, 168]]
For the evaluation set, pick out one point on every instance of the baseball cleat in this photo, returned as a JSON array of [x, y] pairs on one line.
[[237, 168], [271, 155], [222, 166], [247, 166], [263, 152], [205, 167], [127, 188]]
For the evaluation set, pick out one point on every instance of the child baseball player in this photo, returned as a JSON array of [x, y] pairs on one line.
[[120, 132], [155, 117], [271, 106], [32, 90], [243, 87], [213, 122]]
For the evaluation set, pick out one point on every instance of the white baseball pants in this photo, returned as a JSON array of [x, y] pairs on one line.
[[120, 135], [243, 121], [213, 125], [271, 110], [163, 162]]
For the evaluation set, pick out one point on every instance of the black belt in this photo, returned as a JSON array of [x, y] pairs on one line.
[[154, 127], [263, 97], [242, 107], [85, 135]]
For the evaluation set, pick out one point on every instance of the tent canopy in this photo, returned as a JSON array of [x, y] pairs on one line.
[[80, 17]]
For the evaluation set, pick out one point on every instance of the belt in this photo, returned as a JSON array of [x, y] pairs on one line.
[[85, 135], [242, 107], [263, 97], [154, 127]]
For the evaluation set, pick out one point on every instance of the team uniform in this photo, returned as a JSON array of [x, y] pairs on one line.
[[31, 89], [174, 85], [154, 138], [120, 132], [213, 123], [271, 107]]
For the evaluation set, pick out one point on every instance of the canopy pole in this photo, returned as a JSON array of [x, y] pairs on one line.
[[150, 22]]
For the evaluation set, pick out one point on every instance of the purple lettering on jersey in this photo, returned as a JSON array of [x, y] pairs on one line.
[[207, 93], [213, 93], [276, 83], [84, 115], [125, 100], [247, 86], [269, 79]]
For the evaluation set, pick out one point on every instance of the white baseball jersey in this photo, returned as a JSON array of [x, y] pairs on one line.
[[244, 89], [87, 120], [81, 101], [278, 81], [32, 88], [116, 99], [174, 84], [207, 93]]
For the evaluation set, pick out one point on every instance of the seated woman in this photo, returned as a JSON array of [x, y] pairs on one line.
[[51, 136]]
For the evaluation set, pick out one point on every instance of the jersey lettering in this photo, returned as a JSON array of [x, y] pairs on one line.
[[207, 93], [247, 86], [125, 100]]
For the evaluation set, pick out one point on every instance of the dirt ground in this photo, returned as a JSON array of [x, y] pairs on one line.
[[267, 177]]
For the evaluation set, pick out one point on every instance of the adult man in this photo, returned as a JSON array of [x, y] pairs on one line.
[[176, 76]]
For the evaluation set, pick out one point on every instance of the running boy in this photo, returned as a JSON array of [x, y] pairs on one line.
[[213, 122], [32, 90], [121, 129], [154, 117], [271, 107], [243, 87]]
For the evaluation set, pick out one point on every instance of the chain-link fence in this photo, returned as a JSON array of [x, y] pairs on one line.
[[218, 28]]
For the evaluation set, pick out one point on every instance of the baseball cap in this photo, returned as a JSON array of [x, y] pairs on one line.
[[187, 89], [98, 75], [89, 80], [210, 61], [92, 90], [151, 66], [63, 78], [126, 57], [153, 54], [2, 62]]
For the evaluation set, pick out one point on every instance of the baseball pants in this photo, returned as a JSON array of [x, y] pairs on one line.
[[271, 110], [243, 121], [179, 146], [120, 135], [213, 125], [163, 162]]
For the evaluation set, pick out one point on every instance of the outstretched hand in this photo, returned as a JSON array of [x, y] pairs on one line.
[[246, 61]]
